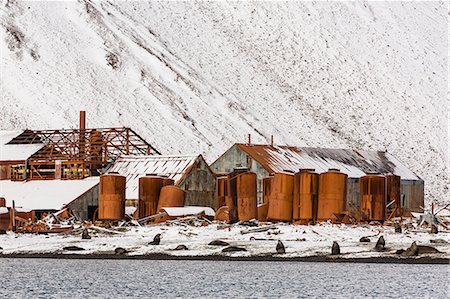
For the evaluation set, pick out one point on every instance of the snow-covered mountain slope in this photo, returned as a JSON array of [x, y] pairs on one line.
[[197, 77]]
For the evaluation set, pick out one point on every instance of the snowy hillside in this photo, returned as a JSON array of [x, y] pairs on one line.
[[197, 77]]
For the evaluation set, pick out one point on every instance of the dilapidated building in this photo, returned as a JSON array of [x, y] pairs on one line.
[[268, 159], [190, 173]]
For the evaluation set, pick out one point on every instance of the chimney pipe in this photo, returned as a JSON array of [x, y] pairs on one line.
[[82, 120], [271, 140], [249, 139]]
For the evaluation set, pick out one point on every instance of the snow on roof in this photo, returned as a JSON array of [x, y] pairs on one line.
[[15, 152], [44, 195], [355, 163], [134, 167]]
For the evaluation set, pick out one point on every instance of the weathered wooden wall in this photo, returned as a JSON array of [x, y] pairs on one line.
[[89, 198], [200, 186]]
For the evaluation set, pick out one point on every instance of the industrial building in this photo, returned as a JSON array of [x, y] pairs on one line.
[[46, 170], [265, 160], [191, 173]]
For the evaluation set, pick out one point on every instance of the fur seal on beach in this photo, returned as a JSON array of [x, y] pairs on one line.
[[335, 249], [280, 247], [156, 240], [380, 244]]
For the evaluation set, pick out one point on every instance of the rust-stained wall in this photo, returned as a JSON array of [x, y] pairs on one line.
[[234, 158], [200, 185], [412, 195], [89, 198]]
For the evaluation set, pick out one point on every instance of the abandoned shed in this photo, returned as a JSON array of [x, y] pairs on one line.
[[267, 159], [190, 173], [44, 196]]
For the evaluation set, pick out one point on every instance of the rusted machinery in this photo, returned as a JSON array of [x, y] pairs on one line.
[[373, 197], [332, 194], [149, 190], [306, 190], [280, 202], [111, 200], [393, 195], [171, 196], [247, 200], [221, 191]]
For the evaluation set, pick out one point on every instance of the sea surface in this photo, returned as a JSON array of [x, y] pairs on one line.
[[64, 278]]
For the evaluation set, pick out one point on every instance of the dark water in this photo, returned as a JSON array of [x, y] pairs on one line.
[[51, 278]]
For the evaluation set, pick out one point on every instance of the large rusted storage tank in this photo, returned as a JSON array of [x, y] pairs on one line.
[[247, 200], [111, 200], [306, 191], [332, 194], [221, 191], [149, 189], [171, 196], [280, 202], [373, 197]]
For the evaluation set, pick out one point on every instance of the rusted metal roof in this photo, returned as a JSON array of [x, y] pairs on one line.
[[134, 167], [355, 163]]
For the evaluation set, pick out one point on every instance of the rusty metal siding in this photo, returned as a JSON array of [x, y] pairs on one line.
[[412, 194], [200, 185]]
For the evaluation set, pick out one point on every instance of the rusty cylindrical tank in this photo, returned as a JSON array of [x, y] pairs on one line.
[[280, 202], [306, 190], [149, 189], [111, 200], [221, 191], [171, 196], [247, 200], [373, 197], [332, 194]]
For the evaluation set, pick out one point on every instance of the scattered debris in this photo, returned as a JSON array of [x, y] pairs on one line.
[[398, 228], [120, 250], [181, 247], [73, 248], [258, 229], [280, 247], [218, 243], [380, 244], [335, 249], [156, 240], [434, 229], [233, 249], [364, 240], [439, 241]]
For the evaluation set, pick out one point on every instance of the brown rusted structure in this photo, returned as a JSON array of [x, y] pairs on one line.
[[149, 190], [171, 196], [221, 191], [4, 219], [231, 197], [373, 197], [305, 197], [246, 196], [393, 194], [264, 207], [111, 200], [2, 202], [280, 202], [332, 194], [168, 182], [222, 214]]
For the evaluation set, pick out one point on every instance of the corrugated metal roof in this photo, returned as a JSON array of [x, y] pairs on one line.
[[355, 163], [134, 167], [16, 152], [46, 194]]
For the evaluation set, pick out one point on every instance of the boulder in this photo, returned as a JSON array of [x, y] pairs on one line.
[[181, 247], [73, 248]]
